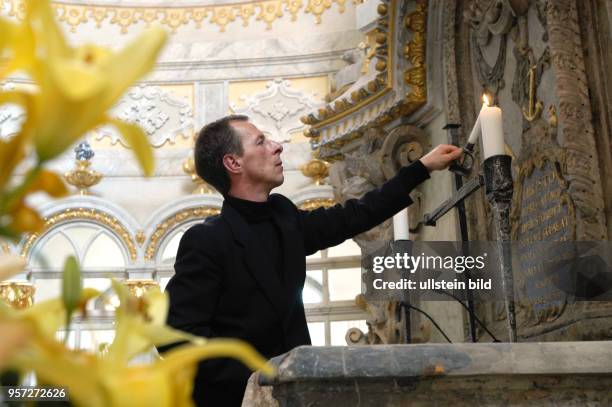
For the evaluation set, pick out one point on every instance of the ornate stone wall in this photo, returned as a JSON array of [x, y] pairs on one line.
[[535, 58]]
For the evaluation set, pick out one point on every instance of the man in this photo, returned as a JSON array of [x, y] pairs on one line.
[[241, 274]]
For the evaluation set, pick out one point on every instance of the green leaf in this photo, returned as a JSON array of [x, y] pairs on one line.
[[71, 287]]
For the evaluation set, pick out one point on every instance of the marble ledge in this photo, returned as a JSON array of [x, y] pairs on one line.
[[425, 360]]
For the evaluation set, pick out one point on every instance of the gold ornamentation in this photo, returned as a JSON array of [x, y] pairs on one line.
[[83, 177], [246, 12], [138, 287], [318, 7], [270, 11], [201, 186], [149, 16], [312, 204], [374, 89], [414, 52], [293, 6], [93, 215], [316, 169], [72, 15], [140, 237], [534, 109], [174, 17], [552, 116], [364, 98], [123, 17], [222, 16], [99, 14], [174, 220], [17, 294]]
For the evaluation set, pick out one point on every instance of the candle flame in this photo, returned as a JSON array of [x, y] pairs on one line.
[[485, 99]]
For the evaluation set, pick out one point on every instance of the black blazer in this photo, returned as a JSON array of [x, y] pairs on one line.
[[225, 288]]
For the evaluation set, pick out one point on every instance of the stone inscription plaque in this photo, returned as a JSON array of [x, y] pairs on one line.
[[546, 214]]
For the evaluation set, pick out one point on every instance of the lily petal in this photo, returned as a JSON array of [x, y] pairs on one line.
[[11, 264], [49, 182], [136, 139], [12, 151], [132, 62], [176, 358], [26, 219], [47, 33], [76, 80], [16, 45]]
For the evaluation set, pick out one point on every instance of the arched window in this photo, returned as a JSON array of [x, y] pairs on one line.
[[333, 280], [166, 255], [98, 251], [101, 255]]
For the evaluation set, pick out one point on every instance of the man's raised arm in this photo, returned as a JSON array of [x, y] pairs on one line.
[[329, 227]]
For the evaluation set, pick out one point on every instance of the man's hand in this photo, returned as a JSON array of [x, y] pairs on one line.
[[441, 157]]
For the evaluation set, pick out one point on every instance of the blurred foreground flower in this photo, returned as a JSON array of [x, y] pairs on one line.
[[106, 379], [75, 87]]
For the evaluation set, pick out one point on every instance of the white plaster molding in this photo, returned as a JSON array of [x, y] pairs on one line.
[[277, 110], [312, 192], [161, 116]]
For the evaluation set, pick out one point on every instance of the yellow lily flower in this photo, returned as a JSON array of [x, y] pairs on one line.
[[13, 150], [21, 218], [16, 44], [76, 86], [107, 380], [141, 324]]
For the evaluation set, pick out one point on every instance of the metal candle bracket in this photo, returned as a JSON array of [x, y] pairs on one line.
[[497, 180]]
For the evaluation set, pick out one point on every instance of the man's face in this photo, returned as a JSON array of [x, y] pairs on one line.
[[261, 162]]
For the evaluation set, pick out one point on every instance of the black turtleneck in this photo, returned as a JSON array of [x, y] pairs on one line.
[[265, 235]]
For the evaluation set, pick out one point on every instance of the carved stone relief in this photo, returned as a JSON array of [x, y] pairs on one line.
[[277, 110], [368, 163], [156, 111], [557, 161]]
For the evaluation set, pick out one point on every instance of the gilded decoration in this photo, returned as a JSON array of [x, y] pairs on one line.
[[201, 186], [93, 215], [266, 11], [17, 294], [317, 170], [374, 89], [312, 204], [138, 287], [83, 177], [362, 99], [169, 223]]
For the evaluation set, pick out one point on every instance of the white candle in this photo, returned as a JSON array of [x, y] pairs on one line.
[[476, 130], [400, 225], [492, 131]]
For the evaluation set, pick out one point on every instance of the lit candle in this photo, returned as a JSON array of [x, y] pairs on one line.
[[492, 131], [400, 225], [476, 130]]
